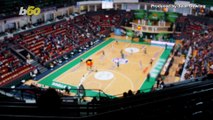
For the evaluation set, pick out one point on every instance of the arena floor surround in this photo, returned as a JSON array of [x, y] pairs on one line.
[[105, 74]]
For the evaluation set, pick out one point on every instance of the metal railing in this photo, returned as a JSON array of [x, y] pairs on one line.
[[34, 93]]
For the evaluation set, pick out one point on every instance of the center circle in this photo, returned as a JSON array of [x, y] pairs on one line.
[[103, 75], [132, 50]]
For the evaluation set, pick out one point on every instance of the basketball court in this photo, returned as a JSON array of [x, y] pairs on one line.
[[111, 72]]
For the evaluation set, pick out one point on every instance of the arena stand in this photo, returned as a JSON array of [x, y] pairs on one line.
[[11, 67], [51, 42], [102, 22], [200, 41]]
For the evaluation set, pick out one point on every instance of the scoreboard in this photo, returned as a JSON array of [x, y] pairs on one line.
[[107, 4]]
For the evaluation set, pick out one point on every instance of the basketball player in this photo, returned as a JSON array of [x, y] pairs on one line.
[[145, 50], [126, 36], [131, 50], [89, 64], [103, 53], [82, 60], [118, 64], [140, 64], [148, 77], [132, 39], [116, 41], [121, 51], [90, 67], [151, 61], [141, 48], [82, 80], [112, 47], [122, 54]]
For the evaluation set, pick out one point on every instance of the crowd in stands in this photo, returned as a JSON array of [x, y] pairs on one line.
[[86, 24], [50, 43], [102, 22], [201, 42], [45, 43], [128, 17], [11, 67], [180, 23]]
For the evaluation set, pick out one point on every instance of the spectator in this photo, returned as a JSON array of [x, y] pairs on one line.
[[67, 90], [201, 56], [94, 100], [49, 100], [125, 94], [148, 77], [158, 82], [162, 84], [138, 92], [130, 93]]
